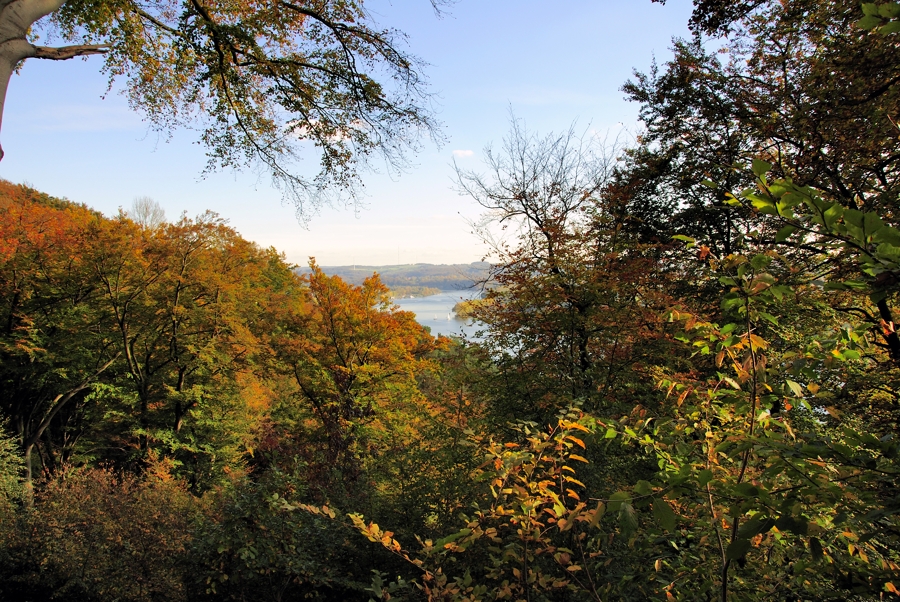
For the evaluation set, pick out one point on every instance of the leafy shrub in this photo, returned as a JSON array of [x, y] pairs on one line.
[[99, 536]]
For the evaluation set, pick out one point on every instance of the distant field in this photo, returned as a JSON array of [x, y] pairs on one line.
[[401, 278]]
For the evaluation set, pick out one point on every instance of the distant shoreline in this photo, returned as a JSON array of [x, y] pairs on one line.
[[404, 279]]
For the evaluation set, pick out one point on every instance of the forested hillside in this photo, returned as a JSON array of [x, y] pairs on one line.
[[452, 277], [688, 388]]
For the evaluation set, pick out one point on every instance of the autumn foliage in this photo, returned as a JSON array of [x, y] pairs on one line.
[[685, 386]]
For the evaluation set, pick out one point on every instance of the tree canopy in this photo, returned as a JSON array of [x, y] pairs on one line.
[[265, 85]]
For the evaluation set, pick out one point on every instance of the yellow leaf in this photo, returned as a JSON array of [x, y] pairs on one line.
[[598, 514], [576, 440], [579, 458], [758, 342]]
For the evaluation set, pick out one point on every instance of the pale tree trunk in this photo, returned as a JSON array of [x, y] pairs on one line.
[[16, 18]]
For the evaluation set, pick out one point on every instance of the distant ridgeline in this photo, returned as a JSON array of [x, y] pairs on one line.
[[419, 280]]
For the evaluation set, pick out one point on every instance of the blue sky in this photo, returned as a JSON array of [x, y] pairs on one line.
[[550, 63]]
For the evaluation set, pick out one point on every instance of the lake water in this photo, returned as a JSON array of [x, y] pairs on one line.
[[436, 312]]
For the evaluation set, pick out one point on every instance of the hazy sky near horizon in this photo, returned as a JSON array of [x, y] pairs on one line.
[[551, 65]]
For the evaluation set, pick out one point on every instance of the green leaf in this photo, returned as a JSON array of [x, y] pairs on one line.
[[889, 10], [889, 235], [756, 525], [872, 223], [746, 490], [761, 261], [610, 433], [854, 217], [878, 296], [888, 252], [869, 22], [769, 318], [845, 286], [760, 167], [704, 477], [792, 525], [785, 233], [617, 499], [709, 184], [835, 286], [728, 303], [832, 215], [892, 27], [664, 514], [764, 205], [780, 291], [737, 549], [451, 538], [684, 238], [870, 8], [734, 384], [724, 446], [795, 388], [643, 487]]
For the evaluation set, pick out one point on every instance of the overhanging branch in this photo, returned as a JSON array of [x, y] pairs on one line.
[[69, 52]]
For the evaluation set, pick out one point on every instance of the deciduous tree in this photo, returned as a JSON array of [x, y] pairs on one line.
[[574, 296], [259, 81]]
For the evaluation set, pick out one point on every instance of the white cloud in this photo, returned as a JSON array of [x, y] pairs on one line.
[[462, 154]]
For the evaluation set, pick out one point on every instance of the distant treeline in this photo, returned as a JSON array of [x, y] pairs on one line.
[[445, 277], [402, 292]]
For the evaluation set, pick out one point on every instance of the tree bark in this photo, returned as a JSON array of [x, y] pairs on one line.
[[11, 52]]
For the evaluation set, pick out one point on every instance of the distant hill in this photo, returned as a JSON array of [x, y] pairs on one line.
[[446, 277]]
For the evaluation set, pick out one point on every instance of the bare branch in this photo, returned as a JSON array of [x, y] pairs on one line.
[[69, 52]]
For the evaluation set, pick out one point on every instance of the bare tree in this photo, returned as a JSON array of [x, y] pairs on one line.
[[147, 212], [556, 316], [538, 184]]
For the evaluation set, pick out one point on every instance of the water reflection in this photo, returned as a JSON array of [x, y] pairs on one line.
[[436, 312]]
